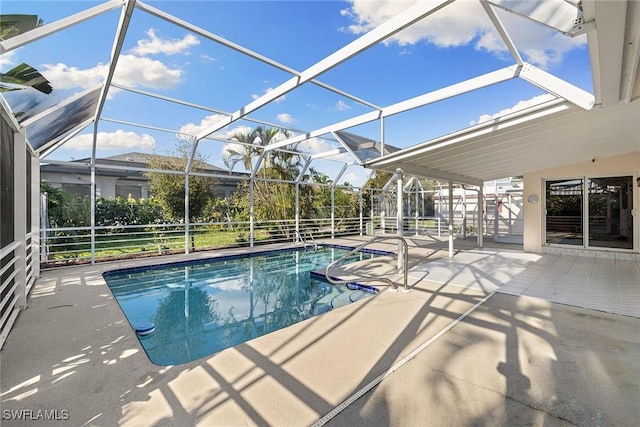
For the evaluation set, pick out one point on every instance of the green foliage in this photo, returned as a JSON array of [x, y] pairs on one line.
[[129, 211], [169, 189], [66, 209]]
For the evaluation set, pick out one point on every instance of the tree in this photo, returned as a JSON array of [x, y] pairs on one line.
[[169, 188], [272, 200], [243, 153]]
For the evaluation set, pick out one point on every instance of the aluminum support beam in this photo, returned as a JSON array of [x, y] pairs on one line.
[[464, 213], [333, 198], [93, 187], [502, 31], [557, 87], [121, 33], [328, 153], [298, 238], [340, 173], [220, 40], [44, 151], [481, 216], [347, 148], [303, 170], [251, 216], [360, 202], [450, 219], [417, 215], [192, 105], [20, 218], [382, 138], [400, 217], [432, 173], [385, 30], [475, 83], [46, 30], [187, 215]]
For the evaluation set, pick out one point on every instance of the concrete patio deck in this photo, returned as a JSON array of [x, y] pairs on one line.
[[517, 359]]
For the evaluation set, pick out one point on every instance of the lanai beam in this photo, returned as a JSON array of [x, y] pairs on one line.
[[475, 83]]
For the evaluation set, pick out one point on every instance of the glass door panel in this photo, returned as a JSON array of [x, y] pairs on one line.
[[610, 204], [564, 212]]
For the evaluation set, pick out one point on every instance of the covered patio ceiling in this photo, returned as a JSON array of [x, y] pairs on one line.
[[570, 125], [550, 135]]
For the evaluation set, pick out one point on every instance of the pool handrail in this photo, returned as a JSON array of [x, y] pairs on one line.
[[301, 239], [404, 266]]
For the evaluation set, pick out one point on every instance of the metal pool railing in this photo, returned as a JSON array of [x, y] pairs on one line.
[[404, 266], [76, 245]]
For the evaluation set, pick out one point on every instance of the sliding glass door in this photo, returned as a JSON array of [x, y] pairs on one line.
[[610, 205], [590, 212], [564, 205]]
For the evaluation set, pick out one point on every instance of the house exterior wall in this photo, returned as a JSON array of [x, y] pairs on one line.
[[81, 184], [534, 213]]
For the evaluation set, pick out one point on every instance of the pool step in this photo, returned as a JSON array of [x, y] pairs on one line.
[[339, 297]]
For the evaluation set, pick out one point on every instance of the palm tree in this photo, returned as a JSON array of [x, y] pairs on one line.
[[244, 154], [273, 201]]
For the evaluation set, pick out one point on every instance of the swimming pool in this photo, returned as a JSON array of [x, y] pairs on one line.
[[201, 307]]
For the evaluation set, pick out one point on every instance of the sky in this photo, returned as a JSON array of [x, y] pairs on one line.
[[454, 44]]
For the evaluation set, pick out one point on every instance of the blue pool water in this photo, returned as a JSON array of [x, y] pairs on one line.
[[199, 308]]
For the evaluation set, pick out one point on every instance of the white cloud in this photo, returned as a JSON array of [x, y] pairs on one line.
[[317, 145], [521, 105], [267, 90], [463, 23], [285, 118], [131, 71], [63, 76], [114, 141], [7, 60], [356, 178], [341, 106], [193, 129], [146, 72], [155, 44]]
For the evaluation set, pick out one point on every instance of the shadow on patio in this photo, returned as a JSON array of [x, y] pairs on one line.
[[513, 361]]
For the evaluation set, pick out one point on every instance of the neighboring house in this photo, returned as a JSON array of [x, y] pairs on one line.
[[111, 182]]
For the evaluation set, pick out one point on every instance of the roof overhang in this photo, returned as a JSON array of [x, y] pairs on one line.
[[549, 135]]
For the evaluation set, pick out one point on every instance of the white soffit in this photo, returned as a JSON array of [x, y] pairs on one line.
[[606, 48], [630, 90], [550, 135]]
